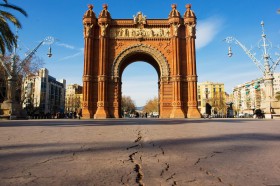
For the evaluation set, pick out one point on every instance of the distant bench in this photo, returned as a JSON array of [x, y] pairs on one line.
[[275, 116], [2, 117]]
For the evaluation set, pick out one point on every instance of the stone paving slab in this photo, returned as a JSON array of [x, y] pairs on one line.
[[140, 152]]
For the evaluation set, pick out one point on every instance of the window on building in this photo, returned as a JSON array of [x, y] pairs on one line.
[[206, 93]]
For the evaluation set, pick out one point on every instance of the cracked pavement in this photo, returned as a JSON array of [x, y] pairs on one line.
[[164, 152]]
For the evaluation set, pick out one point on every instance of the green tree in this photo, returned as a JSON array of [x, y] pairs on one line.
[[218, 102], [30, 67], [128, 105], [7, 37], [151, 105]]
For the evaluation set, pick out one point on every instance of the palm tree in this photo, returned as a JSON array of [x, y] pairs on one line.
[[7, 37]]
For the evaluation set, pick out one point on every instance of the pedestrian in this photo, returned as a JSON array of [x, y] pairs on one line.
[[208, 110], [79, 113]]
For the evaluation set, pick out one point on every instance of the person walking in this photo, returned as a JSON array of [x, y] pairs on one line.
[[208, 110]]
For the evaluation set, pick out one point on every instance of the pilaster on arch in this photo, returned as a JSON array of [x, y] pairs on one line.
[[141, 48]]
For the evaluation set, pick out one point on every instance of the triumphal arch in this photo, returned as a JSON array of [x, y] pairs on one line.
[[112, 44]]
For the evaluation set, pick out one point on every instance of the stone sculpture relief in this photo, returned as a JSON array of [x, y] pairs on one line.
[[140, 32]]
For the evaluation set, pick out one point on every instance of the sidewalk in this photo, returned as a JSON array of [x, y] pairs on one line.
[[140, 151]]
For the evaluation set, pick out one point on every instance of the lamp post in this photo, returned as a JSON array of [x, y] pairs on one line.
[[267, 66], [11, 104]]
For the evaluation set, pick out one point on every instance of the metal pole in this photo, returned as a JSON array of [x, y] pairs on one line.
[[13, 74], [265, 68]]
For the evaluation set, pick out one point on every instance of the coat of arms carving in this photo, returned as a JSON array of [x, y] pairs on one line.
[[139, 19]]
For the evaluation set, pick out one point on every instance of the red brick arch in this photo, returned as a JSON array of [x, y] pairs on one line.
[[112, 44], [141, 49]]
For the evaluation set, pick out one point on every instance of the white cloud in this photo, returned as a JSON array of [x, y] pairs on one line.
[[140, 89], [207, 30], [71, 47], [79, 52], [65, 45], [71, 56]]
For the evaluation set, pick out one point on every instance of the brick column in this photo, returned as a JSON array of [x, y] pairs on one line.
[[89, 22], [104, 19], [175, 23], [190, 24]]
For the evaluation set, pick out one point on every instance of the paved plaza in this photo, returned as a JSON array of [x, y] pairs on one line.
[[136, 152]]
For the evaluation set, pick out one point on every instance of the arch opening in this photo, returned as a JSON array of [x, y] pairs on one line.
[[140, 57], [141, 86], [140, 52]]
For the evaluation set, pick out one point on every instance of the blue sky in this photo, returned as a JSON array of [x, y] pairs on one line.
[[216, 19]]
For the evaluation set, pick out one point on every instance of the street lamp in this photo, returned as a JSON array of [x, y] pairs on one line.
[[10, 104], [267, 67]]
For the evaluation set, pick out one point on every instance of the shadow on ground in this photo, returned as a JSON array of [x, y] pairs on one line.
[[109, 122]]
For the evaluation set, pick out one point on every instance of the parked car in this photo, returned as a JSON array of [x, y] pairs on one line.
[[241, 115]]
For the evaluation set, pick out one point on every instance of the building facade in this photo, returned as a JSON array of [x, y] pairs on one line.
[[74, 96], [43, 94], [251, 95], [276, 82], [213, 94]]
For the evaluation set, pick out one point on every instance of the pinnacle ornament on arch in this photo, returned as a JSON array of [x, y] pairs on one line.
[[90, 6], [104, 12], [89, 13], [189, 15], [175, 20], [174, 12]]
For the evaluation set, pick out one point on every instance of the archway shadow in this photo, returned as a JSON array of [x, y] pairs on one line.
[[122, 122]]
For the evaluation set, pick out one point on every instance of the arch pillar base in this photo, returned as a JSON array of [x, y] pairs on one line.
[[193, 113], [86, 113], [101, 113], [116, 114], [177, 113]]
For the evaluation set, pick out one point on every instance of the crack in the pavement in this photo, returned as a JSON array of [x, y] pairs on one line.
[[28, 169], [139, 137], [136, 158], [15, 177], [190, 181], [137, 166], [166, 166], [165, 169], [131, 156], [162, 151], [139, 176], [125, 182], [131, 147], [214, 153]]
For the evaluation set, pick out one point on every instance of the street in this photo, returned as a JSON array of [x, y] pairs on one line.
[[140, 152]]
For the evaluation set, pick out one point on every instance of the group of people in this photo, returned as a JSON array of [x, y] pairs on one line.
[[259, 114], [57, 115], [136, 115], [74, 115]]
